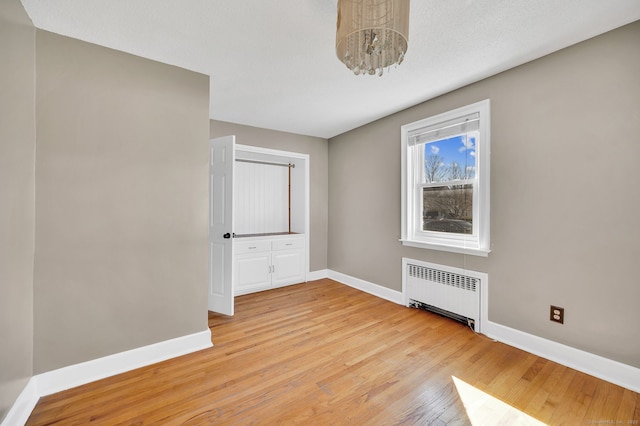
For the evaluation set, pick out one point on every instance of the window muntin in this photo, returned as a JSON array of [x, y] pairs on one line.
[[445, 181]]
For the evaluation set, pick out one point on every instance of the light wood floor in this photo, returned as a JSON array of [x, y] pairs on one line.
[[325, 354]]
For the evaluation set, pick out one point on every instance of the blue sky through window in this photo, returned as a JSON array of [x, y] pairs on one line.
[[460, 150]]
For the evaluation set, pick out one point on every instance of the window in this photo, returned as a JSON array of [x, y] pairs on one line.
[[445, 181]]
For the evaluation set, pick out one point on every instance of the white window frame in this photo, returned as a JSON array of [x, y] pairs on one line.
[[412, 235]]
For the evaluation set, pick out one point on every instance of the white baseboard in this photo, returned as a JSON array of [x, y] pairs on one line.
[[368, 287], [317, 275], [603, 368], [90, 371], [24, 405], [65, 378]]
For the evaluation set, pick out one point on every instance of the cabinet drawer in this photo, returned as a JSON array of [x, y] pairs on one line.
[[241, 247], [287, 244]]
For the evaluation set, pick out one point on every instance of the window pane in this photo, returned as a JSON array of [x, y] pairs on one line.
[[448, 208], [450, 159]]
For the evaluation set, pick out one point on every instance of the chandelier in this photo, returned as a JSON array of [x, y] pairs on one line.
[[372, 34]]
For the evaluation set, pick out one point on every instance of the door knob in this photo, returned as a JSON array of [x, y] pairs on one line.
[[227, 235]]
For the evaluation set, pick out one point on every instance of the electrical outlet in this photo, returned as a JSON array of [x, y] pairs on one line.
[[556, 314]]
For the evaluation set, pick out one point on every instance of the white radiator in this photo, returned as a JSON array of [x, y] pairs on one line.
[[448, 291]]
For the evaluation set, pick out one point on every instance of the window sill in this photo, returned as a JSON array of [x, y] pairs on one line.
[[453, 249]]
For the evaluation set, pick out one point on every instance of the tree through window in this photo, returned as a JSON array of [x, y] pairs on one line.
[[446, 169], [447, 187]]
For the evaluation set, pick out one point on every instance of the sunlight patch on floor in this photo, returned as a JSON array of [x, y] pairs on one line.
[[483, 409]]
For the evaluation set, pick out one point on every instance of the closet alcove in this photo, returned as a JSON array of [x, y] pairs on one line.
[[270, 218]]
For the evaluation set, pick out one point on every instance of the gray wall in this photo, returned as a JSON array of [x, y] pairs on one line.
[[121, 218], [317, 149], [17, 203], [564, 164]]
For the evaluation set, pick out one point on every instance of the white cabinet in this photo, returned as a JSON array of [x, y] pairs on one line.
[[262, 263], [288, 260]]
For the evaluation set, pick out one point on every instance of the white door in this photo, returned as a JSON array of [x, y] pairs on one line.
[[221, 160]]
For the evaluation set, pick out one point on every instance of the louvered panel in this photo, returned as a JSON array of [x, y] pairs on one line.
[[443, 290]]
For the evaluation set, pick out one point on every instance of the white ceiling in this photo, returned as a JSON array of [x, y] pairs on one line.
[[273, 64]]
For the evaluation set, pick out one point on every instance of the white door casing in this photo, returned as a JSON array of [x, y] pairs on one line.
[[221, 164]]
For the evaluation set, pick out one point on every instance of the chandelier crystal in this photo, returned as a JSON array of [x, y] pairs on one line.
[[372, 34]]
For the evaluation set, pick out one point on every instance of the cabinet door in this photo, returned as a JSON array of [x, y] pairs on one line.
[[288, 267], [252, 272]]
